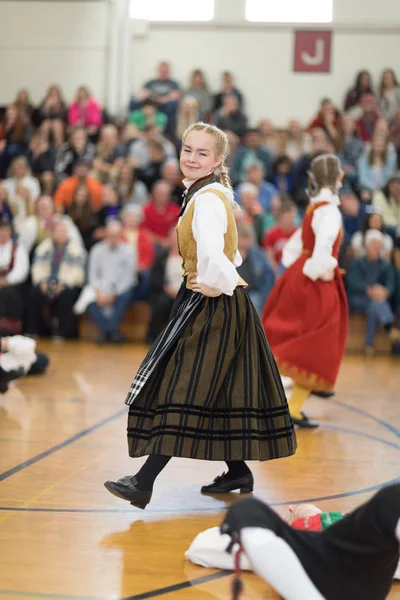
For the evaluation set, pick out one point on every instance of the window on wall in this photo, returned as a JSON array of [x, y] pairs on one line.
[[172, 10], [289, 11]]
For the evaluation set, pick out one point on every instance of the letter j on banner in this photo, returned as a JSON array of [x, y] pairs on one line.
[[312, 51]]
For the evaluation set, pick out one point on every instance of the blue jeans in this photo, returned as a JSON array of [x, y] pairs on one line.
[[110, 323], [377, 313]]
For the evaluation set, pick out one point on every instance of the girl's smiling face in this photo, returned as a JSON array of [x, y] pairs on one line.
[[198, 156]]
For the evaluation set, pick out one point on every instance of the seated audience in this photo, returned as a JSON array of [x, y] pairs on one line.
[[58, 274], [152, 171], [281, 175], [296, 141], [148, 116], [24, 103], [373, 220], [369, 116], [228, 89], [387, 203], [270, 137], [85, 112], [42, 160], [171, 173], [272, 216], [198, 89], [137, 236], [188, 113], [110, 155], [249, 153], [370, 283], [15, 133], [53, 116], [109, 211], [6, 213], [112, 274], [255, 268], [319, 145], [165, 280], [353, 212], [164, 92], [389, 94], [252, 212], [65, 193], [276, 238], [327, 119], [82, 214], [394, 134], [363, 85], [375, 166], [23, 190], [38, 227], [130, 189], [78, 149], [230, 116], [14, 271], [160, 214], [140, 150], [349, 147]]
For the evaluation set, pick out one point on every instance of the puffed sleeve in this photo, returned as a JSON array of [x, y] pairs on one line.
[[293, 249], [209, 226], [326, 224]]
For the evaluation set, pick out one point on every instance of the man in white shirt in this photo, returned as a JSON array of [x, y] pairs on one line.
[[14, 270]]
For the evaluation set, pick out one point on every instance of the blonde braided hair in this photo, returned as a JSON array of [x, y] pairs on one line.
[[325, 172], [222, 149]]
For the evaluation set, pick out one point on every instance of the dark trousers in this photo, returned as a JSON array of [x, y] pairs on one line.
[[52, 316], [161, 305], [11, 310]]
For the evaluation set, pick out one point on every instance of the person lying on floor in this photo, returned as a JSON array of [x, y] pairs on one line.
[[18, 357], [313, 546]]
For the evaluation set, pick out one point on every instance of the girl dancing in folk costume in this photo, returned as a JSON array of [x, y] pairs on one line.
[[306, 315], [209, 387]]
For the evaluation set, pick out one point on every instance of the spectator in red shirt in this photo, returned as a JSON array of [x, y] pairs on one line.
[[276, 238], [160, 214], [366, 124]]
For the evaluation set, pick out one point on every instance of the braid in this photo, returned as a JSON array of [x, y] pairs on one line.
[[222, 149], [325, 171]]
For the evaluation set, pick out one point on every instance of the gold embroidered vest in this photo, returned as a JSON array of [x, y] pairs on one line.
[[187, 243]]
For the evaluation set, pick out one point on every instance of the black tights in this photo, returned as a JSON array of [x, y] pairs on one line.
[[155, 463]]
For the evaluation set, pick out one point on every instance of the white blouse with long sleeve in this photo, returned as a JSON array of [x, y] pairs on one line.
[[326, 225], [209, 225]]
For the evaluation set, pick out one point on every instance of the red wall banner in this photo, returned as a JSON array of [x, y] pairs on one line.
[[312, 51]]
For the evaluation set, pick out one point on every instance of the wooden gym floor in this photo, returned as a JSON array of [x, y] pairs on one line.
[[63, 537]]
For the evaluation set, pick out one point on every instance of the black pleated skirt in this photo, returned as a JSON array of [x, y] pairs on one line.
[[209, 387]]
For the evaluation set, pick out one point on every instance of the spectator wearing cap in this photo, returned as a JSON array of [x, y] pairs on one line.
[[370, 115], [65, 193], [387, 202], [370, 284], [255, 268], [250, 152], [148, 115]]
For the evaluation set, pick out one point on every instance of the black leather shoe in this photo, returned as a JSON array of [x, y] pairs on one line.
[[322, 394], [222, 485], [127, 489], [305, 422]]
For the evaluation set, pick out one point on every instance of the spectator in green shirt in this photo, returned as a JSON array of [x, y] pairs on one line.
[[148, 115]]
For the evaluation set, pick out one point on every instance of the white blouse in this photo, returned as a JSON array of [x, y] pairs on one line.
[[20, 270], [209, 225], [326, 224]]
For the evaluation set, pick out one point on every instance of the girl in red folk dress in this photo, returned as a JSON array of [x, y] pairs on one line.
[[306, 316]]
